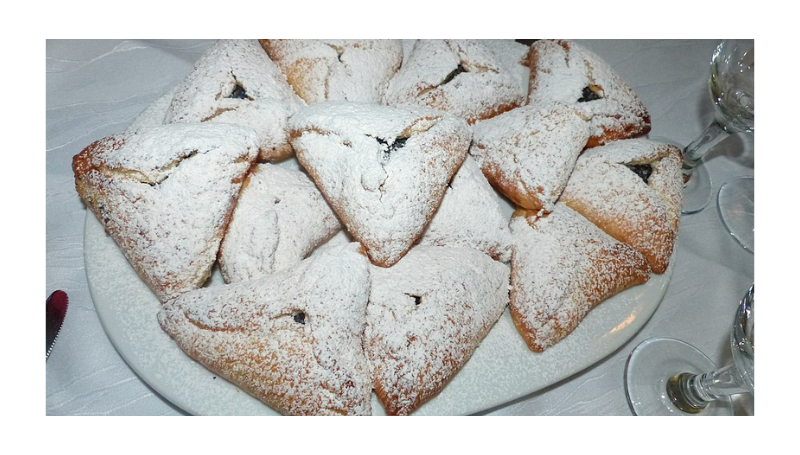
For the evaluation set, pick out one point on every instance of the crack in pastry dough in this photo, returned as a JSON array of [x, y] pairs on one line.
[[153, 179], [238, 91]]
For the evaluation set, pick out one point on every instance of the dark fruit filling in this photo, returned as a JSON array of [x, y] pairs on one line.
[[398, 143], [642, 170], [590, 93], [300, 318], [460, 69], [238, 92]]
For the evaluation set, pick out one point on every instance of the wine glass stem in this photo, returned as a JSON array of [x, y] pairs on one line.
[[692, 392], [695, 151]]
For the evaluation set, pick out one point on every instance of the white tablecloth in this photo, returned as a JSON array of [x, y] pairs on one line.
[[95, 88]]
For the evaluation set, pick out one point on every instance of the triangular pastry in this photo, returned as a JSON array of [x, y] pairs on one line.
[[528, 153], [165, 195], [562, 266], [463, 77], [384, 170], [235, 81], [292, 339], [567, 72], [632, 189], [513, 55], [279, 219], [347, 70], [426, 316], [470, 216]]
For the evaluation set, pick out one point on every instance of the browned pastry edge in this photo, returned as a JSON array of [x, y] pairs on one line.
[[622, 231], [625, 132], [391, 402], [510, 188], [658, 242], [84, 164], [630, 276]]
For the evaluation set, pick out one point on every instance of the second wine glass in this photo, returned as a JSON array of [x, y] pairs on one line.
[[665, 376], [731, 85]]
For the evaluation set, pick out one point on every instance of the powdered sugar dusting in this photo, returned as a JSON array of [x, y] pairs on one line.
[[352, 70], [643, 215], [561, 267], [165, 195], [462, 77], [528, 153], [470, 216], [426, 316], [384, 170], [562, 70], [514, 57], [279, 220], [236, 82], [251, 333]]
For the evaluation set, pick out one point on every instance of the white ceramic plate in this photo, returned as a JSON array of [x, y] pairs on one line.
[[501, 370]]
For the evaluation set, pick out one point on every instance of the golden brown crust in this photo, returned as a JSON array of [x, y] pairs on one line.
[[562, 70], [562, 266], [462, 77], [528, 154], [426, 317], [292, 339], [165, 195], [644, 215]]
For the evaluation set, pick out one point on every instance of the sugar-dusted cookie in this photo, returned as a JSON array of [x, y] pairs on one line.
[[292, 339], [279, 219], [384, 170], [426, 316], [562, 266], [165, 195], [528, 153], [463, 77], [567, 72], [471, 215], [349, 70], [632, 189], [235, 81], [514, 56]]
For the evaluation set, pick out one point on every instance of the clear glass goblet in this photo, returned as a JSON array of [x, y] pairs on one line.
[[664, 376], [732, 89]]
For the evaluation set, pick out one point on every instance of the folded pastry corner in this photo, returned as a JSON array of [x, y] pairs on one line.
[[562, 266], [462, 77], [165, 195], [292, 339], [384, 170], [347, 70], [528, 153], [632, 189], [426, 316], [279, 219], [471, 215], [567, 72], [235, 81]]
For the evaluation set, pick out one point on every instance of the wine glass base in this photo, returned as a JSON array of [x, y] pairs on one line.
[[649, 367], [736, 202], [697, 191]]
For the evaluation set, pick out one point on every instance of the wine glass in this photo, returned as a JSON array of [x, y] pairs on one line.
[[732, 89], [665, 376]]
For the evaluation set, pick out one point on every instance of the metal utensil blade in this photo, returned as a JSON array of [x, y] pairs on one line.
[[56, 309]]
